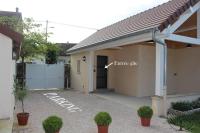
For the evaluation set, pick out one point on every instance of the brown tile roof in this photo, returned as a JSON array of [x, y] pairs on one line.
[[158, 17]]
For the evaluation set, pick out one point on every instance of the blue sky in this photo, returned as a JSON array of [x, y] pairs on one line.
[[88, 13]]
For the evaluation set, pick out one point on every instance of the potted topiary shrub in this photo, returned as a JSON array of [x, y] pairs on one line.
[[103, 120], [52, 124], [145, 113], [20, 93]]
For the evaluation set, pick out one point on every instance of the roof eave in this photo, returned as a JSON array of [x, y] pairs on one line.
[[87, 48]]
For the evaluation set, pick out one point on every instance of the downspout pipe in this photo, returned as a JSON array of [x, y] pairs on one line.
[[164, 70]]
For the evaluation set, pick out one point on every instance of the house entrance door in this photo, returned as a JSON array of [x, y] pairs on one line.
[[102, 61]]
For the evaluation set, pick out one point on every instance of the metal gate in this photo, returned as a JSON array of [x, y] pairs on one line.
[[44, 76]]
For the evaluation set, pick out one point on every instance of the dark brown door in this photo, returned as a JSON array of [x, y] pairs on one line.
[[102, 72]]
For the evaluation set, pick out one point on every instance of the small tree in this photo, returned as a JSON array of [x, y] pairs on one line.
[[20, 93], [52, 51], [34, 40], [33, 44]]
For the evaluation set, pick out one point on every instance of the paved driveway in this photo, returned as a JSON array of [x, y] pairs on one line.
[[79, 118]]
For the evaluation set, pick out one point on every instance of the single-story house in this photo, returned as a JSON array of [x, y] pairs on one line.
[[154, 53], [10, 42]]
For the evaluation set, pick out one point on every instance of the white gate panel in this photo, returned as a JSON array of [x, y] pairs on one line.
[[55, 76], [43, 76]]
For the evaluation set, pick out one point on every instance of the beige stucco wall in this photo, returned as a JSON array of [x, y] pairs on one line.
[[126, 77], [188, 70], [7, 72], [146, 76], [171, 71], [183, 70], [79, 81], [123, 79], [131, 80], [138, 80]]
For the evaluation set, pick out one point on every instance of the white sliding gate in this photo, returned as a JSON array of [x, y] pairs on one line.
[[43, 76]]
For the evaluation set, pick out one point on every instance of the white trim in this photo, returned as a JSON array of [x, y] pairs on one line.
[[185, 16], [91, 71], [183, 39]]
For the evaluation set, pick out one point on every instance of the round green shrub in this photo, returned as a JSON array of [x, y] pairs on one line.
[[103, 119], [145, 112], [182, 106], [52, 124]]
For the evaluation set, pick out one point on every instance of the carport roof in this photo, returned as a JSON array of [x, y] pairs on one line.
[[158, 17]]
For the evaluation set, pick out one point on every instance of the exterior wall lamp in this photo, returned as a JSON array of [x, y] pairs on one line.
[[84, 58]]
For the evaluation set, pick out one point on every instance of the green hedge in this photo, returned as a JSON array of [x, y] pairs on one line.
[[186, 105], [182, 106]]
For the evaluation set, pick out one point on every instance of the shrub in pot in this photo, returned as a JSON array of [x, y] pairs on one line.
[[103, 120], [52, 124], [145, 113], [20, 93]]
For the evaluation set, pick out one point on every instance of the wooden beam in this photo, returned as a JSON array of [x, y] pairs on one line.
[[187, 29], [183, 39]]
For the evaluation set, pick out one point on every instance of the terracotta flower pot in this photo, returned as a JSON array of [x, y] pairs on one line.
[[102, 129], [57, 131], [145, 122], [22, 118]]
